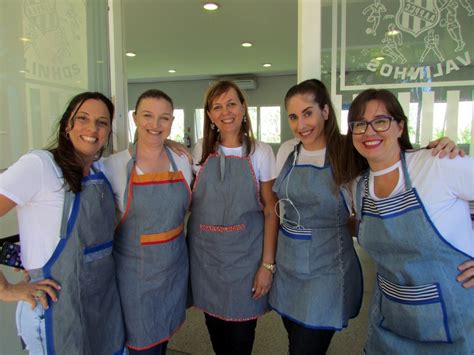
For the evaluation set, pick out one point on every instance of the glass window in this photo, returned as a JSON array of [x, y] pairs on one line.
[[266, 127], [270, 127], [422, 56], [199, 122], [254, 120], [177, 130]]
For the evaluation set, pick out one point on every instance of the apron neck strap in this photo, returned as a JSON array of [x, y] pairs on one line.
[[408, 185], [222, 158]]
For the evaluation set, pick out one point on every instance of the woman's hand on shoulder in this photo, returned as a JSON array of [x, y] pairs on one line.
[[445, 147], [466, 277], [179, 149]]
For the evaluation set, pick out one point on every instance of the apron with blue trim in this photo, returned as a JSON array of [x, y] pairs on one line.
[[87, 318], [318, 282], [418, 307], [225, 234], [151, 255]]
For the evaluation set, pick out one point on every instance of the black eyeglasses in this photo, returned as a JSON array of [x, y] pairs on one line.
[[380, 124]]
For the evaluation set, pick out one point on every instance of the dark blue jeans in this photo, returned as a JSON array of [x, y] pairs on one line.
[[307, 341], [231, 338]]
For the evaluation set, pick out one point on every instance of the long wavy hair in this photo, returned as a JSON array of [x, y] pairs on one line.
[[334, 139], [64, 153], [355, 164], [211, 136]]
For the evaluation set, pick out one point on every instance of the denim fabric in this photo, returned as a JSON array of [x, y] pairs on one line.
[[418, 307], [31, 328], [225, 234], [152, 274], [87, 318], [318, 282]]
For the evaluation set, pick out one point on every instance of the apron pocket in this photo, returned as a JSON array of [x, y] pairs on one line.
[[414, 312], [163, 237], [97, 252], [294, 246], [226, 246]]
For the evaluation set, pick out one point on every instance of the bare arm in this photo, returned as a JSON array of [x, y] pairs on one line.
[[263, 277], [5, 205]]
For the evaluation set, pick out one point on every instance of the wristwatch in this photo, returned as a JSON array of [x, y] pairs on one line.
[[270, 267]]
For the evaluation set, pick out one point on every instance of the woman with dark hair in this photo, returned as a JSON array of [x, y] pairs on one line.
[[318, 283], [415, 224], [151, 185], [66, 222], [232, 229]]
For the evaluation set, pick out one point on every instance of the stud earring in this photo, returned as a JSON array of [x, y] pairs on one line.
[[245, 118], [213, 126]]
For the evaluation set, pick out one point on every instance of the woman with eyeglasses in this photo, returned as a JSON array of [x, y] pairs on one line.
[[317, 287], [414, 222], [232, 229]]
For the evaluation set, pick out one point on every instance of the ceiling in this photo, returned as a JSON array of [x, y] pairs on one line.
[[200, 44], [181, 35]]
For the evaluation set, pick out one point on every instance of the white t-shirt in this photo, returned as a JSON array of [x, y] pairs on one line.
[[445, 186], [35, 184], [305, 157], [262, 159], [115, 168]]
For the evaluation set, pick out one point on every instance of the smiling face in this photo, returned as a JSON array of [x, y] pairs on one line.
[[227, 112], [89, 129], [307, 120], [153, 118], [381, 149]]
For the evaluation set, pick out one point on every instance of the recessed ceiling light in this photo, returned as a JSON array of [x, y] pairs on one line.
[[246, 44], [25, 39], [210, 6], [171, 71], [22, 71], [267, 65], [379, 58], [130, 54], [393, 32]]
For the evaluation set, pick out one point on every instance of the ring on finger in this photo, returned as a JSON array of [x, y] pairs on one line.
[[39, 294]]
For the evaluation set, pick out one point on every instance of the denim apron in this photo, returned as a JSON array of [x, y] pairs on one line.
[[87, 318], [418, 307], [225, 234], [151, 255], [318, 282]]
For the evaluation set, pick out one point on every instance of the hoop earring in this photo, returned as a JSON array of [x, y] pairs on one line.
[[213, 126]]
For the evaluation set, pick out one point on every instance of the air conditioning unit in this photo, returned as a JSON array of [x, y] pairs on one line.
[[243, 84]]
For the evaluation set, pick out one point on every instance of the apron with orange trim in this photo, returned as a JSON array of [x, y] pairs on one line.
[[225, 234], [151, 255]]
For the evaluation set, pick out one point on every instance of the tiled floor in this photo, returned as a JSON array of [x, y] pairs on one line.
[[193, 338], [271, 338]]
